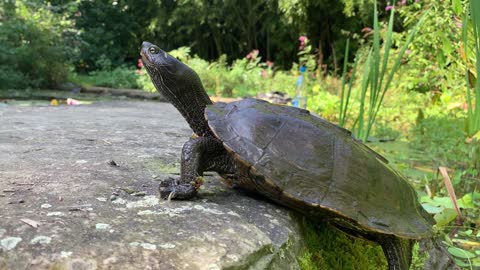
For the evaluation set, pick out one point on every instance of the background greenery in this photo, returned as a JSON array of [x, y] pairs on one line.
[[87, 34], [428, 118]]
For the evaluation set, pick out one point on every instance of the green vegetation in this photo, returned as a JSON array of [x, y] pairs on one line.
[[85, 31], [323, 244], [472, 58], [31, 49], [119, 77], [373, 78], [408, 84]]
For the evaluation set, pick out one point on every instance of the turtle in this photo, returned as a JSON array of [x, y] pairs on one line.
[[296, 159]]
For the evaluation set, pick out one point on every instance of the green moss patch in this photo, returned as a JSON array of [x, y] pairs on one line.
[[161, 166], [328, 248]]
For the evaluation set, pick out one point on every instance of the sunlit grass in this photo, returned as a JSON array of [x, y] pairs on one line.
[[473, 68], [376, 77]]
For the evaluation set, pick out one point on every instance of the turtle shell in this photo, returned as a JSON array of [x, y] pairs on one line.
[[308, 159]]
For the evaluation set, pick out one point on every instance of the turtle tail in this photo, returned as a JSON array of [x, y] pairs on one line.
[[398, 251], [438, 256]]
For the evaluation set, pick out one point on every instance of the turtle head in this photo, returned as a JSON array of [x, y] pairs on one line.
[[168, 74], [179, 84], [153, 57]]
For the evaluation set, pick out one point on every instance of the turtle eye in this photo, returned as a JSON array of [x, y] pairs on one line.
[[153, 50]]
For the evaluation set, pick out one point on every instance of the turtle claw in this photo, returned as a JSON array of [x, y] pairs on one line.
[[171, 188]]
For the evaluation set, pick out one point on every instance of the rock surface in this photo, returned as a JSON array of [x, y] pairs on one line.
[[78, 190]]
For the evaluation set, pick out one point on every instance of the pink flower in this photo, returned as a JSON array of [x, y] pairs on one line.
[[269, 64], [139, 63], [404, 2], [366, 30], [252, 55], [389, 7], [303, 40], [264, 74], [457, 21]]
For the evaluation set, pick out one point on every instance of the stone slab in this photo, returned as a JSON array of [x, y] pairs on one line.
[[78, 190]]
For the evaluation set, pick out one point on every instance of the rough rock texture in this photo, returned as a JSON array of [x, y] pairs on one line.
[[78, 190]]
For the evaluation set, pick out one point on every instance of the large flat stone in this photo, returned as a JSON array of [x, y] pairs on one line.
[[57, 183]]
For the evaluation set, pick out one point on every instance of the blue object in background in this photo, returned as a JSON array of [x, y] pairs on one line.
[[300, 101]]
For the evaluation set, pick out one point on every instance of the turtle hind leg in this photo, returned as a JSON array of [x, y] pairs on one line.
[[398, 251]]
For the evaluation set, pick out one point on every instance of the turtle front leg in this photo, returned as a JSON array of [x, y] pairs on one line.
[[198, 155]]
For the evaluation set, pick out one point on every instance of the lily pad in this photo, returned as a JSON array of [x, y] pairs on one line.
[[461, 253]]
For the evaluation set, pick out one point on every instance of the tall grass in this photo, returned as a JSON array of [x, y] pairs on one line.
[[346, 93], [376, 77], [473, 82]]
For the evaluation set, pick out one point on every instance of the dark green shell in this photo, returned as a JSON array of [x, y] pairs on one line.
[[316, 162]]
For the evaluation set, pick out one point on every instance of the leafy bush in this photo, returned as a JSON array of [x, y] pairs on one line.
[[120, 77], [108, 76], [323, 103], [113, 30], [244, 78], [31, 49], [432, 63], [144, 82], [12, 79]]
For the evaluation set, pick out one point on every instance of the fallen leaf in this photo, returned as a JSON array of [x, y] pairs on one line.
[[33, 223]]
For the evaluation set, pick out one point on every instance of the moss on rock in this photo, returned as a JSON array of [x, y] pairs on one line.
[[161, 166], [328, 248]]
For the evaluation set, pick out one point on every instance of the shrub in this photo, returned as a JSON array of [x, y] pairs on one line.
[[120, 77], [432, 61], [244, 78], [12, 79], [31, 49]]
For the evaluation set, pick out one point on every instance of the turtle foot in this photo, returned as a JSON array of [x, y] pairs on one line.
[[171, 188]]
